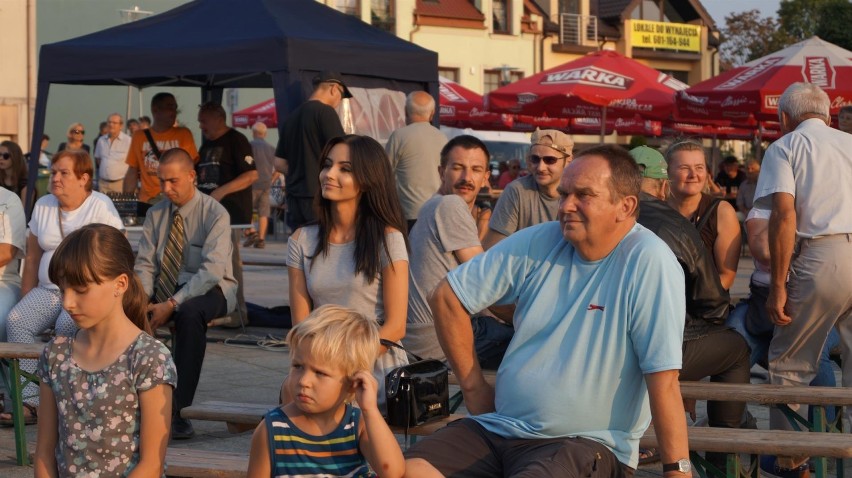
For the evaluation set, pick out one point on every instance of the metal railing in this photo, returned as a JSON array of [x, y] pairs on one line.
[[577, 29]]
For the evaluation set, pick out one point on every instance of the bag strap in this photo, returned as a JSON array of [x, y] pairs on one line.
[[389, 344], [393, 386], [702, 221], [153, 143]]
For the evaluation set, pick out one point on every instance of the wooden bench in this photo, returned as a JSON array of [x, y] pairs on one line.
[[240, 417], [15, 380], [778, 396], [820, 445], [193, 463]]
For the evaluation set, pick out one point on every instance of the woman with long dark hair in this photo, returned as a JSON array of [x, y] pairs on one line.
[[356, 254], [13, 168]]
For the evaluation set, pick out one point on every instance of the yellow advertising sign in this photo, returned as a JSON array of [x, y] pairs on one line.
[[666, 36]]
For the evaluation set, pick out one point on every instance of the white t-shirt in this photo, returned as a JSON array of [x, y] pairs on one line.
[[813, 164], [12, 231], [97, 208], [761, 273]]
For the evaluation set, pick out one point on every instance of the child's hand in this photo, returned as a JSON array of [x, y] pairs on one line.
[[366, 390]]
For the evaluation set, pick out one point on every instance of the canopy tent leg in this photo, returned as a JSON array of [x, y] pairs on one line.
[[35, 146], [603, 123]]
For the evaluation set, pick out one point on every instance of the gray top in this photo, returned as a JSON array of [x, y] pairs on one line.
[[331, 278], [443, 226], [264, 156], [101, 421], [520, 206], [206, 255], [415, 154]]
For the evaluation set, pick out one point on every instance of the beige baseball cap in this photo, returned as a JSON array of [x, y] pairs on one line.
[[553, 138]]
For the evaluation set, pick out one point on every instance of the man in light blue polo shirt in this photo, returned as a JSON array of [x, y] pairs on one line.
[[598, 331]]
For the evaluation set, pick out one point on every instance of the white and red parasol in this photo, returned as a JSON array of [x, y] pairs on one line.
[[752, 91], [598, 84]]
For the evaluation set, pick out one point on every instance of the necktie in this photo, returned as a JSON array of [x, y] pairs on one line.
[[172, 260]]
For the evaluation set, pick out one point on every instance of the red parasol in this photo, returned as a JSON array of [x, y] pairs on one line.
[[624, 126], [462, 108], [263, 112], [600, 83], [754, 88]]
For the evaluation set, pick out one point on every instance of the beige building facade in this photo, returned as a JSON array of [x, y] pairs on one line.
[[484, 43], [17, 82]]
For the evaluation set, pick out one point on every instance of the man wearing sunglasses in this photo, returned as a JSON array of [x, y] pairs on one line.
[[532, 199]]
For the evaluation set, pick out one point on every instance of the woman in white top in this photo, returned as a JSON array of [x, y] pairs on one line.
[[71, 206], [356, 255]]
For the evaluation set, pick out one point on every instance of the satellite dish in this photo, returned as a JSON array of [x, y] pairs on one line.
[[133, 14]]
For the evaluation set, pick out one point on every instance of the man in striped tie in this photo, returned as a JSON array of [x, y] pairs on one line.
[[184, 264]]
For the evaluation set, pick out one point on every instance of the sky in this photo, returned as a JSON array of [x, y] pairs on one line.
[[720, 8]]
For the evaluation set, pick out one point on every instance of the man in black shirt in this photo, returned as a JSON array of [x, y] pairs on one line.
[[303, 137], [226, 171], [709, 347], [225, 168]]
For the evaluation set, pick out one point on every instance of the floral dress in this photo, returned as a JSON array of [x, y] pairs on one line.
[[99, 415]]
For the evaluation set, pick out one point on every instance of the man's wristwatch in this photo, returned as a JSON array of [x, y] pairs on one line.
[[683, 466], [174, 304]]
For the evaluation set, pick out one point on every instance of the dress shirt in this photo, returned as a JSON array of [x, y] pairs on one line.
[[206, 255], [111, 156]]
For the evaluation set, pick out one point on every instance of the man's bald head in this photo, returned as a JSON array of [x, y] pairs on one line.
[[419, 107], [178, 156]]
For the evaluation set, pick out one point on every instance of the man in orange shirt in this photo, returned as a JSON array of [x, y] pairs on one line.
[[144, 160]]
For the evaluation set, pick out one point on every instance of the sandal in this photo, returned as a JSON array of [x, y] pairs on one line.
[[259, 244], [648, 456], [251, 239], [29, 419]]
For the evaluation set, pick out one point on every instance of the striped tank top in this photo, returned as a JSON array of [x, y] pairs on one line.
[[294, 453]]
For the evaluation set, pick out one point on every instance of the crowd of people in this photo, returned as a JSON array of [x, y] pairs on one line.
[[599, 281]]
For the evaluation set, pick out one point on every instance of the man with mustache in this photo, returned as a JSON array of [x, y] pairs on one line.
[[532, 199], [443, 237]]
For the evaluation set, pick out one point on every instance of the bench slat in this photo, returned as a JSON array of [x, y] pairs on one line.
[[231, 412], [252, 414], [192, 463], [753, 393], [11, 350], [766, 394], [763, 442]]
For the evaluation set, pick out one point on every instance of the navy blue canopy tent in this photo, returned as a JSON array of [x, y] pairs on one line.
[[217, 44]]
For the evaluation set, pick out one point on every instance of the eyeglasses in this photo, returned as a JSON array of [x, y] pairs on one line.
[[5, 155], [78, 131], [548, 160]]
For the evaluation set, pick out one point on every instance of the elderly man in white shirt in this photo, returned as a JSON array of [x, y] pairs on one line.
[[110, 155], [805, 181]]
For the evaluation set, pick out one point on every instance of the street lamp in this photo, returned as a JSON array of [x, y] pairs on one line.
[[128, 16]]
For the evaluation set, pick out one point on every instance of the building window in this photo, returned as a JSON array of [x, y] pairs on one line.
[[349, 7], [496, 78], [500, 13], [569, 6], [682, 76], [382, 15], [451, 74]]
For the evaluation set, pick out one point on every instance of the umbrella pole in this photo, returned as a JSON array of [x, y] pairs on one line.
[[713, 153], [603, 124]]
